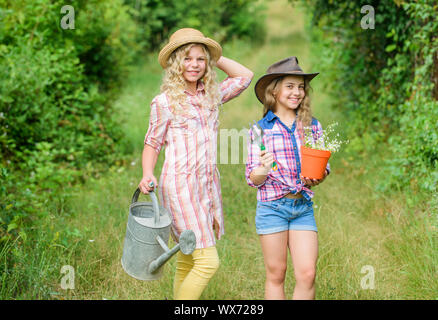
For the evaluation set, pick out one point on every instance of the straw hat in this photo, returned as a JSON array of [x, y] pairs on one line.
[[184, 36], [285, 67]]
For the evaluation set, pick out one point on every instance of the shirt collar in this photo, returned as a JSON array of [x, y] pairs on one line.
[[200, 87], [269, 120], [270, 116]]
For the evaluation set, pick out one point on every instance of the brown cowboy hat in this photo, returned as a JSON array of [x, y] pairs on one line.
[[285, 67], [185, 36]]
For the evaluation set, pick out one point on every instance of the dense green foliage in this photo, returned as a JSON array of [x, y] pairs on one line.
[[57, 123], [55, 113], [386, 81], [221, 20]]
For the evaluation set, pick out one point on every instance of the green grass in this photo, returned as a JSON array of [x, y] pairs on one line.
[[357, 226]]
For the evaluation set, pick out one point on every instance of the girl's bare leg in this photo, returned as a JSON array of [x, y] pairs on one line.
[[303, 246], [274, 247]]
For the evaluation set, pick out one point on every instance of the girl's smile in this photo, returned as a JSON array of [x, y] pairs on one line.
[[290, 93], [194, 66]]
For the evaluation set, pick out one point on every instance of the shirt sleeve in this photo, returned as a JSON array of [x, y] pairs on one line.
[[232, 87], [317, 135], [158, 125], [252, 160]]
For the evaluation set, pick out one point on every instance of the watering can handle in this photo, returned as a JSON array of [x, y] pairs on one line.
[[154, 203]]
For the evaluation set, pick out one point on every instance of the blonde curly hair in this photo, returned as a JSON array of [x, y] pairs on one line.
[[174, 83], [304, 111]]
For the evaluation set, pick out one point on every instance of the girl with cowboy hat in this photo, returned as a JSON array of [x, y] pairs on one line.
[[284, 215], [184, 118]]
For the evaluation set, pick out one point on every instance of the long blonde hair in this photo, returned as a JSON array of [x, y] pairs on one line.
[[304, 111], [174, 83]]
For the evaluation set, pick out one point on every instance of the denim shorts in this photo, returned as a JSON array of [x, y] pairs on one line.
[[284, 214]]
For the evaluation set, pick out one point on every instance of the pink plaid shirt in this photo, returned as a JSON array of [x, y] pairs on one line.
[[189, 186], [285, 144]]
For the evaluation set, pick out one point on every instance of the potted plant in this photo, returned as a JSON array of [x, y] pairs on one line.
[[316, 151]]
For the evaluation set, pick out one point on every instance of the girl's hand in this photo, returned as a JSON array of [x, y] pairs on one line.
[[144, 183], [266, 159], [313, 182]]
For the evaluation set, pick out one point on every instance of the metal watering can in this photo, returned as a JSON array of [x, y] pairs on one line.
[[147, 234]]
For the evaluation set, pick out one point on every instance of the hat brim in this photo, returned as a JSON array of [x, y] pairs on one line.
[[265, 80], [214, 48]]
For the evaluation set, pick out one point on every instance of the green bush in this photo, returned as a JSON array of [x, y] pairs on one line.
[[220, 19], [386, 81], [55, 82], [56, 119]]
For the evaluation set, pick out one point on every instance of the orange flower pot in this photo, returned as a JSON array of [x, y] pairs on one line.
[[314, 162]]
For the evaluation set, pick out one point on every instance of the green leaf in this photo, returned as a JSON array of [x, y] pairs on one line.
[[391, 47], [23, 235], [12, 226]]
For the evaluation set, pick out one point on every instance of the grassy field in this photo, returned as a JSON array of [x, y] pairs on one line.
[[360, 230]]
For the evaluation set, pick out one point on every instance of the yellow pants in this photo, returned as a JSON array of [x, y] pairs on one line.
[[193, 272]]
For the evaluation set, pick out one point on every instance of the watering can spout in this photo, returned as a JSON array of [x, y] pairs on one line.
[[187, 244]]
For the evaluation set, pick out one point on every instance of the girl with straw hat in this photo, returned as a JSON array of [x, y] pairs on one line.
[[184, 118], [284, 215]]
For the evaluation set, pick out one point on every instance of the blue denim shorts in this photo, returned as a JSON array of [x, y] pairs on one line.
[[284, 214]]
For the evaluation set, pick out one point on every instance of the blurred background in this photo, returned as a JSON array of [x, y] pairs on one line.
[[74, 106]]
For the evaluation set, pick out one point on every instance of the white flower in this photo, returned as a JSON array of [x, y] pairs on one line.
[[323, 142]]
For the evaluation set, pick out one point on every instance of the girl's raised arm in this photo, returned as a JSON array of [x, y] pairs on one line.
[[233, 68]]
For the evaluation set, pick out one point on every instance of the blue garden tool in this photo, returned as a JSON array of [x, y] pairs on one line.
[[259, 137]]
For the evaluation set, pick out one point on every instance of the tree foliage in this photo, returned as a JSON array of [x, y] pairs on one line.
[[221, 20], [57, 85], [386, 81]]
